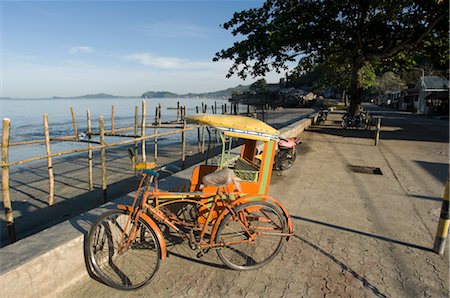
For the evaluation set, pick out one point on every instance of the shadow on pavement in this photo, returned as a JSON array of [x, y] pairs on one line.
[[363, 233], [344, 267], [438, 170], [395, 125]]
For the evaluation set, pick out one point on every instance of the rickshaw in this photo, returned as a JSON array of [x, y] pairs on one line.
[[227, 209]]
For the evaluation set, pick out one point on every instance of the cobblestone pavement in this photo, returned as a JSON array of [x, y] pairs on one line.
[[356, 235]]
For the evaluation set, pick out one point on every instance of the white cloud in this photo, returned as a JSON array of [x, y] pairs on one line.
[[81, 49], [149, 59]]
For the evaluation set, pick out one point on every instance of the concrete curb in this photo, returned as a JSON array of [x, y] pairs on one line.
[[52, 260]]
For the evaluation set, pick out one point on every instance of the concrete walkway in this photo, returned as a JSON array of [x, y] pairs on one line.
[[356, 234]]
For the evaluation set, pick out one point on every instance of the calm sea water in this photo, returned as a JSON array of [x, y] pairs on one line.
[[26, 117]]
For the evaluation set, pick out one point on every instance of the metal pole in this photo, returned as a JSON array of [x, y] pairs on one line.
[[377, 135], [444, 223]]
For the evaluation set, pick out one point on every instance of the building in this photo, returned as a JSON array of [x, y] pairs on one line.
[[431, 95]]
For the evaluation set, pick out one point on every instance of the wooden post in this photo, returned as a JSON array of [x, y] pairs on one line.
[[225, 108], [103, 158], [199, 146], [136, 126], [157, 123], [215, 107], [89, 130], [51, 179], [144, 114], [183, 142], [74, 120], [112, 119], [203, 107], [203, 139], [248, 110], [5, 182], [178, 112], [377, 134], [196, 109]]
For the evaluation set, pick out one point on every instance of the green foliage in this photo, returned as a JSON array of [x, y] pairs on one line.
[[367, 75], [389, 82], [342, 36], [259, 86]]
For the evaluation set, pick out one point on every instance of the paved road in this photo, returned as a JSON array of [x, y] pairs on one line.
[[356, 235]]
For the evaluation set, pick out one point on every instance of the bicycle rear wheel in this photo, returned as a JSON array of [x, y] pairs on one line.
[[119, 263], [251, 236]]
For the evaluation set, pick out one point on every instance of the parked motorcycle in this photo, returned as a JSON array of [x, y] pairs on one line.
[[359, 121], [286, 154], [322, 116]]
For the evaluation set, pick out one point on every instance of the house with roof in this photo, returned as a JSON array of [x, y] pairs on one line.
[[431, 95]]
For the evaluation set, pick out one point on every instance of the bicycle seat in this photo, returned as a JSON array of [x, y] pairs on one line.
[[221, 178]]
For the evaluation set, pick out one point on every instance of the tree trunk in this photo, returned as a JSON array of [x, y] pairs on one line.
[[356, 88]]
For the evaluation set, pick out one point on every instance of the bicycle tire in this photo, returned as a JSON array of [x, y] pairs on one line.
[[251, 255], [287, 162], [127, 270]]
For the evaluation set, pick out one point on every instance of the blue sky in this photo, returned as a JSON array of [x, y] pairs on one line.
[[68, 48]]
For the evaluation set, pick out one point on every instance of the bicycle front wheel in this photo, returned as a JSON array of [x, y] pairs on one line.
[[123, 253], [251, 236]]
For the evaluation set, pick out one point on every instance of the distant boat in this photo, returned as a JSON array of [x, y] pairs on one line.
[[171, 108]]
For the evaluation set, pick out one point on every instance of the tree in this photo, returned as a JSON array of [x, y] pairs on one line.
[[389, 82], [259, 86], [343, 35]]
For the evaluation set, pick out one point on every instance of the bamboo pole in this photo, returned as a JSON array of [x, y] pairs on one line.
[[51, 179], [90, 176], [103, 158], [155, 140], [74, 120], [144, 114], [177, 131], [9, 215], [136, 125], [112, 118], [66, 138], [183, 140], [203, 139]]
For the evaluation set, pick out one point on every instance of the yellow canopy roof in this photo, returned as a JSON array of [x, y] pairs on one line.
[[238, 126]]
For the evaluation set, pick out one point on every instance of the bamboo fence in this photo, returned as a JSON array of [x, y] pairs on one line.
[[131, 133]]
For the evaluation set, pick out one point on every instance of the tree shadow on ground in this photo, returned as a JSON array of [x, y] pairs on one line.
[[440, 171], [395, 125], [344, 267], [394, 241]]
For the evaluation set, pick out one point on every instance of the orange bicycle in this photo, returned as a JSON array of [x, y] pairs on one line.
[[125, 246]]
